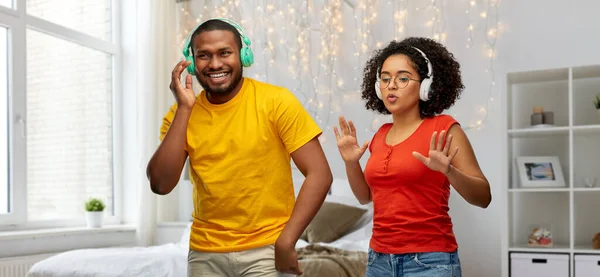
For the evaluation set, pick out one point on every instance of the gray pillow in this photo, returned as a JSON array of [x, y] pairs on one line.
[[332, 222]]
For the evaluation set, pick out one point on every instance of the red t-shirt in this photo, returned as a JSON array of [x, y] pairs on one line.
[[410, 201]]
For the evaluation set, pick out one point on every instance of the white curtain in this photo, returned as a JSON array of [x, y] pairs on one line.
[[156, 56]]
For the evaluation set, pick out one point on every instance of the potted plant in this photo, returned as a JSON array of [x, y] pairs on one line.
[[597, 105], [94, 212]]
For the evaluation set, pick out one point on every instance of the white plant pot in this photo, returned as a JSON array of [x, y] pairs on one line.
[[94, 219], [598, 114]]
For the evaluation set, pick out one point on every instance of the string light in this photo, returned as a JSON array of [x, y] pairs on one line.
[[300, 44], [491, 29]]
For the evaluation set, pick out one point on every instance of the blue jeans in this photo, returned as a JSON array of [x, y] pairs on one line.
[[429, 264]]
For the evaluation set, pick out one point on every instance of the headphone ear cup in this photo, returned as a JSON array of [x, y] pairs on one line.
[[424, 91], [246, 56], [191, 69], [378, 91]]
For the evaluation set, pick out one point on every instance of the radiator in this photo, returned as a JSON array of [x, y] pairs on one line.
[[18, 266]]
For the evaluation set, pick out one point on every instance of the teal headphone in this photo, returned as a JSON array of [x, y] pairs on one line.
[[246, 55]]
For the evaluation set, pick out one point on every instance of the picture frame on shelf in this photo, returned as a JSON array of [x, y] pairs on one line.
[[540, 172]]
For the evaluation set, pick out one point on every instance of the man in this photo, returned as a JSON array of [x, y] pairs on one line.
[[239, 135]]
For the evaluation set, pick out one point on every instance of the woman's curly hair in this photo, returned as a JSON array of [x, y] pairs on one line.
[[447, 83]]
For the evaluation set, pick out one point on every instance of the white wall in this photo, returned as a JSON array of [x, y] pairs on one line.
[[559, 36], [562, 35]]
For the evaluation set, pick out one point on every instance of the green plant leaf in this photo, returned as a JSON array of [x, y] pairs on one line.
[[94, 205]]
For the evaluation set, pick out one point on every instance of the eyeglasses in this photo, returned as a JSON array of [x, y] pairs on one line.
[[400, 81]]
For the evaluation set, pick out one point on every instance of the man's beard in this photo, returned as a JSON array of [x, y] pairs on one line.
[[235, 80]]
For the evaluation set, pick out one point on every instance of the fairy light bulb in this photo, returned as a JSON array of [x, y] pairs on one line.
[[310, 58]]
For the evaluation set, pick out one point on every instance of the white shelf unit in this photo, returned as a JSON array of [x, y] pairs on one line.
[[572, 212]]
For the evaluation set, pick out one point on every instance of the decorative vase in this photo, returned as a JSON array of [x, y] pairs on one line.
[[537, 117], [94, 219], [598, 114]]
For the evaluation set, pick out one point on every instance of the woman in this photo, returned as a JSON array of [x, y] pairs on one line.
[[413, 160]]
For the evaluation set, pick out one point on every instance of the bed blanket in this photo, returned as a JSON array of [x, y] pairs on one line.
[[326, 261]]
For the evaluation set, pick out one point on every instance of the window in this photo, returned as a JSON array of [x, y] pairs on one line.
[[87, 16], [6, 3], [69, 132], [4, 202], [59, 117]]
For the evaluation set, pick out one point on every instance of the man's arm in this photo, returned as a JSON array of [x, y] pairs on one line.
[[299, 133], [311, 161], [165, 166]]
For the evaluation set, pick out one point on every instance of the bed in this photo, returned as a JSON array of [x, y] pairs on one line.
[[334, 244]]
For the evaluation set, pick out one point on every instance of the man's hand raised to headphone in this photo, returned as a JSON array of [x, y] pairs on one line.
[[185, 96]]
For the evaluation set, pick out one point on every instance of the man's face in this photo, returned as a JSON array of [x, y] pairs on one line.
[[217, 60]]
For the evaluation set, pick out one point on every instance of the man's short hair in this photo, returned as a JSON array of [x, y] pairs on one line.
[[216, 24]]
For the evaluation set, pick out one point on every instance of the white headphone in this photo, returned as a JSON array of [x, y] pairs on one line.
[[425, 84]]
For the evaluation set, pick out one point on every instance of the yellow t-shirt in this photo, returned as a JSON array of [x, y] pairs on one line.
[[240, 163]]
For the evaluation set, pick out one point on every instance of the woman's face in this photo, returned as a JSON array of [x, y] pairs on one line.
[[399, 84]]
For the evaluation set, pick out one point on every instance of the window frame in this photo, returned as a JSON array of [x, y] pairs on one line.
[[18, 22]]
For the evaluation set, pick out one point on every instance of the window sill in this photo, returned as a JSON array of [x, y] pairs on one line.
[[53, 240], [59, 232]]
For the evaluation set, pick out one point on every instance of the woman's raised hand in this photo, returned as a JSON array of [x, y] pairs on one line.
[[347, 143]]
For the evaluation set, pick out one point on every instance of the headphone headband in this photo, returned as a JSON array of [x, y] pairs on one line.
[[425, 90], [429, 66], [247, 42], [426, 82]]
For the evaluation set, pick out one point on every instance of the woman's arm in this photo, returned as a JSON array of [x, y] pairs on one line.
[[358, 184], [464, 174]]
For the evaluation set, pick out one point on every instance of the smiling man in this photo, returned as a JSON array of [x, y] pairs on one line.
[[239, 135]]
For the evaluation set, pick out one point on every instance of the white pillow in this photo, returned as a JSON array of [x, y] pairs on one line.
[[350, 201], [185, 237], [301, 244], [341, 187]]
